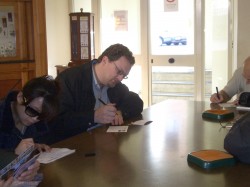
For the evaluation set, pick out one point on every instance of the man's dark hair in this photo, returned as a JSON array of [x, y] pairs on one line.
[[46, 87], [116, 51]]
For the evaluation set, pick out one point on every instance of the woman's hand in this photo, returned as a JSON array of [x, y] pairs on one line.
[[29, 174], [6, 183], [24, 145], [43, 147]]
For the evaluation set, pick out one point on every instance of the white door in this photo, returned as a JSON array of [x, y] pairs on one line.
[[172, 51], [167, 39]]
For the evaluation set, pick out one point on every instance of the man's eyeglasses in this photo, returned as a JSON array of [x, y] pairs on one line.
[[120, 72]]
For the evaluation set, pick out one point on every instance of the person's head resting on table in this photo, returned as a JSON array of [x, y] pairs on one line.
[[114, 65], [36, 101], [223, 95]]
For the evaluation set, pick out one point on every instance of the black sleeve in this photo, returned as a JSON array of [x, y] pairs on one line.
[[237, 141], [6, 157], [131, 106], [128, 102]]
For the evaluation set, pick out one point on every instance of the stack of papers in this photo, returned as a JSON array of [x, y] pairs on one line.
[[54, 154]]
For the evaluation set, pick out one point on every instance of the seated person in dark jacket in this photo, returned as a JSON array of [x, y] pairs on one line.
[[23, 114], [237, 141], [7, 157], [83, 86]]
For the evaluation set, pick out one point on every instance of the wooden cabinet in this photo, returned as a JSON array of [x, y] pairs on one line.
[[82, 37], [23, 51]]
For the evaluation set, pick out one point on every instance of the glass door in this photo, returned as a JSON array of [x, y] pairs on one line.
[[172, 54], [180, 46]]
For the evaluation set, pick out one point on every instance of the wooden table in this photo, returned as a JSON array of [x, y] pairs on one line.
[[153, 155]]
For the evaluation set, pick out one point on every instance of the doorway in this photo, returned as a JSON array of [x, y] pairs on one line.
[[176, 46]]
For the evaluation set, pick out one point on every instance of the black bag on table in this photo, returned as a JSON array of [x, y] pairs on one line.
[[244, 99]]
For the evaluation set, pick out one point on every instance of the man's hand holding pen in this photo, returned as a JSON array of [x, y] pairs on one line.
[[214, 98], [108, 114], [118, 119]]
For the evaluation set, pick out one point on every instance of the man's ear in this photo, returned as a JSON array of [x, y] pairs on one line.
[[104, 59], [19, 97]]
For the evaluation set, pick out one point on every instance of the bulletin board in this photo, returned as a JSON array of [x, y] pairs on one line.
[[7, 32]]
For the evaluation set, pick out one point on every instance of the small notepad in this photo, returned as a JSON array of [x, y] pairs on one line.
[[218, 115], [211, 158]]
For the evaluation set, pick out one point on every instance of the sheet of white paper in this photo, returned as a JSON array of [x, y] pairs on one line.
[[141, 122], [243, 108], [227, 105], [54, 154], [117, 129]]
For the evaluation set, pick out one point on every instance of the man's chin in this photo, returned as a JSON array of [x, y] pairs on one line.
[[112, 84]]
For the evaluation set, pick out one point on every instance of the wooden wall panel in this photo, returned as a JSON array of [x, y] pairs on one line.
[[40, 37], [31, 58]]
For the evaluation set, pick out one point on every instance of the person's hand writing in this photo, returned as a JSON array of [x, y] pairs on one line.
[[24, 145], [6, 183], [118, 119], [43, 147], [105, 114], [215, 99], [30, 173]]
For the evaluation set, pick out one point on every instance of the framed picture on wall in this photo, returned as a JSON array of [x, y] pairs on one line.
[[7, 32]]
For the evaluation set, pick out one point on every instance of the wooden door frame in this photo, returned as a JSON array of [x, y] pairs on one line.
[[40, 41]]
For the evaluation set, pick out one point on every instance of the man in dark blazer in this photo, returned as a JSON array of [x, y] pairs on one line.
[[93, 94]]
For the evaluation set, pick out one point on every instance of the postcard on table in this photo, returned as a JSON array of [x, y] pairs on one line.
[[117, 129]]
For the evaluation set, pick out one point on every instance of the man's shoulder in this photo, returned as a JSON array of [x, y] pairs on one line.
[[239, 70], [75, 71]]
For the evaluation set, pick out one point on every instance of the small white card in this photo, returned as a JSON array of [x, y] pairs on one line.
[[54, 154], [141, 122], [117, 129]]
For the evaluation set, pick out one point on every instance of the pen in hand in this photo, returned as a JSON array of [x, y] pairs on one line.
[[217, 92], [102, 101]]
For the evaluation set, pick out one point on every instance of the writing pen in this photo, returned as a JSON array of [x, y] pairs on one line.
[[217, 92], [104, 103]]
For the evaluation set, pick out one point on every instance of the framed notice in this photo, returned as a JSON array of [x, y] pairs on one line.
[[170, 5], [7, 32], [121, 20]]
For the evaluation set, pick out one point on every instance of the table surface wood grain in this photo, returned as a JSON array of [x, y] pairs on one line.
[[153, 155]]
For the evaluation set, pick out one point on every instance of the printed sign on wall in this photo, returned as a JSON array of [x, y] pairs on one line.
[[121, 20], [170, 5]]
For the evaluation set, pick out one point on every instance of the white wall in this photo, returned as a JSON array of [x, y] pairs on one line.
[[243, 49], [84, 4], [58, 33]]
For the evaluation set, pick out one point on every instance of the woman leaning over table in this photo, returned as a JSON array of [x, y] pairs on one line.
[[23, 114]]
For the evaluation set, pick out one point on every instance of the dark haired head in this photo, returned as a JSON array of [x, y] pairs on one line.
[[116, 51], [46, 87]]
